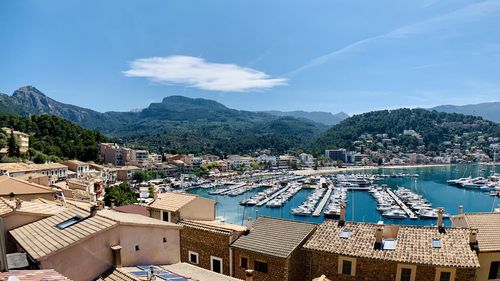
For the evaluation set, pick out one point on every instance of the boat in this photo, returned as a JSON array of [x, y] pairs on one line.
[[394, 214]]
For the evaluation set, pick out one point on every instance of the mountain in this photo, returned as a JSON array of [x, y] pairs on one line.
[[488, 110], [326, 118], [177, 124], [434, 128]]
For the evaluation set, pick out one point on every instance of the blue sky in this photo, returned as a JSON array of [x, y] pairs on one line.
[[351, 56]]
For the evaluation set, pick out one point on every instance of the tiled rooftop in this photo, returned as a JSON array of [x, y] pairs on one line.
[[214, 226], [10, 185], [275, 237], [488, 226], [33, 275], [43, 238], [172, 201], [414, 244]]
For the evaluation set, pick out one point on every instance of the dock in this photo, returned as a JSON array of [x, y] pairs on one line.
[[267, 199], [323, 202], [401, 204], [229, 189]]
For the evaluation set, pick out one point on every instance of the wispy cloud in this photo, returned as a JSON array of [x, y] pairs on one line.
[[465, 14], [198, 73]]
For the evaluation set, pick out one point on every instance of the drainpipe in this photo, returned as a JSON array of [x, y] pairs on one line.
[[460, 209], [230, 258]]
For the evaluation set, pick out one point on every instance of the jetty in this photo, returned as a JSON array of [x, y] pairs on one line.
[[323, 202], [267, 199], [401, 204]]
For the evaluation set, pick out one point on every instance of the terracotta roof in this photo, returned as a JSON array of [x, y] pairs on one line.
[[275, 237], [133, 209], [172, 201], [33, 275], [43, 238], [197, 273], [4, 208], [39, 207], [23, 167], [488, 226], [214, 226], [414, 244], [20, 187], [76, 162]]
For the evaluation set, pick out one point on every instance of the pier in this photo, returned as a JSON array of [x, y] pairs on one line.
[[403, 206], [323, 202], [229, 189], [267, 199]]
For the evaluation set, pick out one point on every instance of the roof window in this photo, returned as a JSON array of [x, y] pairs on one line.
[[69, 222]]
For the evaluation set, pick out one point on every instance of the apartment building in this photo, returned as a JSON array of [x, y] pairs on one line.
[[112, 153], [78, 167], [22, 139], [55, 171]]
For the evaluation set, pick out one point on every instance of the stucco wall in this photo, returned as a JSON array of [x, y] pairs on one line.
[[485, 260], [86, 260], [152, 249], [198, 209]]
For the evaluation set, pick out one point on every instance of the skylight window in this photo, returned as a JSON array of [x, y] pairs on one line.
[[345, 234], [390, 244], [436, 243], [69, 222]]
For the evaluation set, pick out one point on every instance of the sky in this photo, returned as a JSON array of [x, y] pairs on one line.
[[350, 56]]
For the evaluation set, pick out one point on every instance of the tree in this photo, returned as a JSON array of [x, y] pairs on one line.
[[141, 176], [120, 194], [12, 146]]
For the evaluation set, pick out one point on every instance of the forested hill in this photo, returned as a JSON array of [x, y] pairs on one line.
[[434, 127], [55, 136]]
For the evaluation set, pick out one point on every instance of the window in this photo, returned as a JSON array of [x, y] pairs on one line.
[[405, 274], [216, 264], [193, 257], [165, 216], [137, 247], [260, 266], [346, 267], [164, 239], [494, 272], [445, 276], [436, 243], [69, 222], [244, 262]]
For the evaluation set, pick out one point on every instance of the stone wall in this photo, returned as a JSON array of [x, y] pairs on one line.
[[277, 267], [205, 243], [298, 265], [373, 270]]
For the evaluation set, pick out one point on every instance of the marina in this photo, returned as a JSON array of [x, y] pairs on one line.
[[322, 204], [302, 201]]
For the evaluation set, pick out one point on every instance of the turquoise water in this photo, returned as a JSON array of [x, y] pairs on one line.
[[362, 207]]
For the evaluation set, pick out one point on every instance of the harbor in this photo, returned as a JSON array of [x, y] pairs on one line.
[[305, 196]]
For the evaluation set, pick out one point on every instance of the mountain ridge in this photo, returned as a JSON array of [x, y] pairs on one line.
[[323, 117], [487, 110]]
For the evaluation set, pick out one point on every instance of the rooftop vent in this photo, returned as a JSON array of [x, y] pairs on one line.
[[345, 233], [69, 222], [389, 244], [436, 243]]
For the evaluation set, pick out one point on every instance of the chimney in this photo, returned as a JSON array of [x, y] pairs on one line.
[[460, 209], [249, 223], [379, 236], [342, 215], [155, 195], [18, 203], [117, 255], [473, 240], [93, 211], [440, 220], [249, 275]]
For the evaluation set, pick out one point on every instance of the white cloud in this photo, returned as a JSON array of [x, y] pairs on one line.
[[198, 73], [465, 14]]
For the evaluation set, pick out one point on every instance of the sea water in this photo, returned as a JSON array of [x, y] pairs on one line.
[[361, 206]]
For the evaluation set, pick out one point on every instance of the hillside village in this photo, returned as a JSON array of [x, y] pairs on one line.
[[53, 212]]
